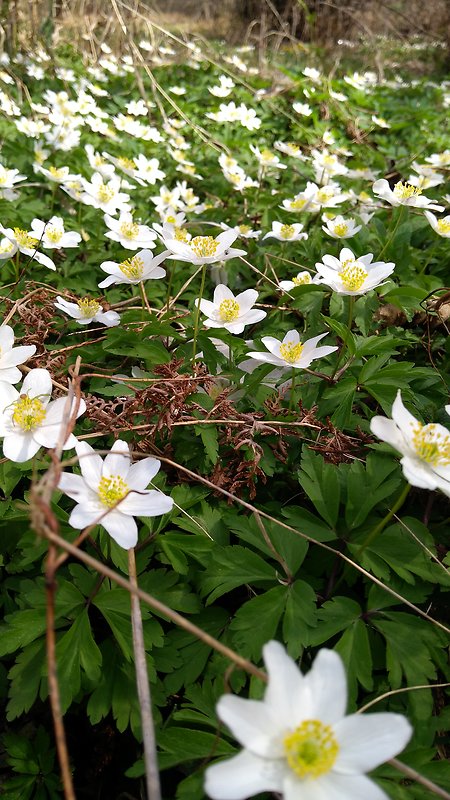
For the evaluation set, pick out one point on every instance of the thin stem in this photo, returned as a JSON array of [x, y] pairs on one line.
[[197, 313], [416, 776], [351, 305], [143, 687], [382, 524], [144, 298], [292, 397], [394, 231]]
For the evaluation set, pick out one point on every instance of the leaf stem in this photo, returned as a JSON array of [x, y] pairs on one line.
[[197, 313], [382, 524], [394, 231], [143, 688], [351, 305]]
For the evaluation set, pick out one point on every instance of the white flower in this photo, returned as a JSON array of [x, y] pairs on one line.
[[340, 228], [98, 163], [204, 249], [141, 267], [30, 420], [266, 158], [403, 194], [106, 196], [286, 233], [86, 311], [297, 740], [115, 490], [51, 234], [21, 240], [11, 356], [302, 108], [301, 279], [291, 353], [291, 149], [352, 275], [57, 175], [128, 233], [312, 73], [441, 226], [147, 169], [230, 312], [380, 121], [245, 231], [425, 448]]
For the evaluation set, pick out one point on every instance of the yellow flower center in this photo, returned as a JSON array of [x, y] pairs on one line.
[[431, 445], [88, 307], [267, 156], [126, 163], [405, 190], [352, 275], [181, 234], [54, 234], [111, 490], [23, 239], [364, 197], [204, 246], [298, 204], [99, 161], [105, 193], [170, 219], [443, 225], [291, 351], [293, 146], [132, 268], [302, 278], [59, 174], [341, 229], [129, 230], [287, 231], [229, 310], [234, 177], [324, 195], [329, 160], [29, 412], [311, 749], [3, 177], [244, 229]]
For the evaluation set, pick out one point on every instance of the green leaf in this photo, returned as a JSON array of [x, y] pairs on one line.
[[256, 621], [234, 566], [321, 483], [76, 650], [208, 435], [299, 617], [179, 745]]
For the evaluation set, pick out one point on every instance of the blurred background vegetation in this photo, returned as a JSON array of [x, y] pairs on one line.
[[422, 26]]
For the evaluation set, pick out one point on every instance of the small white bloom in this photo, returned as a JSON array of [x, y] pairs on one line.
[[297, 740], [352, 275], [11, 357], [266, 158], [441, 226], [301, 279], [128, 233], [291, 353], [340, 228], [104, 195], [286, 233], [51, 234], [204, 249], [230, 312], [22, 240], [86, 311], [403, 194], [380, 121], [425, 449], [143, 266], [302, 108], [29, 419], [113, 492]]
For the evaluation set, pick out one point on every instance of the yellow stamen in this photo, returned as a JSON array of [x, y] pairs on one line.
[[29, 412], [181, 234], [311, 749], [431, 445], [244, 229], [298, 204], [58, 174], [302, 278], [126, 163], [54, 234], [352, 275], [405, 190], [229, 310], [443, 225], [291, 351], [287, 231], [132, 268], [88, 308], [341, 229], [111, 490], [204, 246], [23, 239], [105, 193], [129, 230]]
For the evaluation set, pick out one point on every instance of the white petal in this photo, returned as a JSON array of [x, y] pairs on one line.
[[247, 299], [20, 447], [149, 504], [285, 681], [84, 515], [6, 338], [243, 776], [222, 292], [402, 417], [367, 740], [253, 723], [419, 474], [91, 464], [118, 460], [38, 383], [387, 431], [332, 787], [327, 684], [16, 356], [121, 528]]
